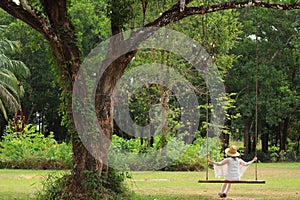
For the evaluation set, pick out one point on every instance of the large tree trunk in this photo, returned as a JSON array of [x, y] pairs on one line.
[[164, 98], [264, 142], [278, 136], [224, 136], [68, 61], [298, 146], [83, 161], [227, 125], [284, 134], [247, 141]]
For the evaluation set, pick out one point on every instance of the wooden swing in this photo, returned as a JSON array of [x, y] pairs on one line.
[[255, 181]]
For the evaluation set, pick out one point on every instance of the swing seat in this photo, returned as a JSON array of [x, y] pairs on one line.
[[234, 181]]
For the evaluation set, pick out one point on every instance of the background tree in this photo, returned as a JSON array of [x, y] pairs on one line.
[[267, 45], [11, 89], [40, 103], [42, 91]]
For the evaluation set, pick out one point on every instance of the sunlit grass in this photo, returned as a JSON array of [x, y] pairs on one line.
[[20, 184], [282, 182]]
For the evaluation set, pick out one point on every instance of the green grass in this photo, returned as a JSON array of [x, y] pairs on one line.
[[20, 184], [282, 182]]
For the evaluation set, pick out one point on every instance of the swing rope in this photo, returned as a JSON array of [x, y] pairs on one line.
[[206, 91], [256, 95], [256, 181], [256, 86]]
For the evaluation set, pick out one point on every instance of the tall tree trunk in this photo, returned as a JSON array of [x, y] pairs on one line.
[[224, 136], [83, 161], [284, 134], [193, 126], [298, 146], [247, 142], [164, 98], [278, 136], [264, 142], [253, 143]]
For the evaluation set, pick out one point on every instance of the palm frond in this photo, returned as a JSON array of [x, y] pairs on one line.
[[3, 110], [9, 47], [9, 100], [20, 69], [15, 66], [10, 88], [9, 81]]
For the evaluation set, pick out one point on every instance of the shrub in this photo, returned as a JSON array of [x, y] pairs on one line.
[[293, 151], [194, 157], [180, 156], [92, 187], [274, 153], [32, 150]]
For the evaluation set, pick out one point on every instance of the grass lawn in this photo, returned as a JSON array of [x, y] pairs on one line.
[[282, 182], [20, 184]]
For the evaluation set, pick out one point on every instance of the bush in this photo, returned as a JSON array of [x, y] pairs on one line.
[[32, 150], [126, 154], [194, 158], [292, 152], [274, 153], [94, 186]]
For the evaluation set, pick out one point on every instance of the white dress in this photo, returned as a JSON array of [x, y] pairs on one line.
[[231, 168]]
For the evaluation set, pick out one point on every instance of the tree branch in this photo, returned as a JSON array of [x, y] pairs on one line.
[[278, 50], [174, 13], [18, 12], [29, 15]]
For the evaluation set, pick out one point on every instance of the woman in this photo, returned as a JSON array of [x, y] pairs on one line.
[[231, 168]]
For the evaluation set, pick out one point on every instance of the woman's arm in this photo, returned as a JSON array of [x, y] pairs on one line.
[[223, 162], [248, 163]]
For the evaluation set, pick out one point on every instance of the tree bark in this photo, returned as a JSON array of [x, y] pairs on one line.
[[284, 135], [174, 13], [278, 136], [247, 141], [224, 137], [264, 142], [298, 146]]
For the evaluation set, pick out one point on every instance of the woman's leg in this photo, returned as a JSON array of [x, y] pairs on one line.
[[223, 189], [227, 188]]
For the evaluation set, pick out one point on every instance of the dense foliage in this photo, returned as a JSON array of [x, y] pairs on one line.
[[32, 150], [94, 187], [11, 70]]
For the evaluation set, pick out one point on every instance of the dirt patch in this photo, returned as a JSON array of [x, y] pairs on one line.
[[28, 177], [152, 180]]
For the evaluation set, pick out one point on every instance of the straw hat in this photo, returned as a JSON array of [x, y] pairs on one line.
[[232, 151]]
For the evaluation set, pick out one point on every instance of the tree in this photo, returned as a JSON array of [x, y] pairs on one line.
[[11, 89], [41, 89], [51, 19], [42, 94], [267, 45]]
